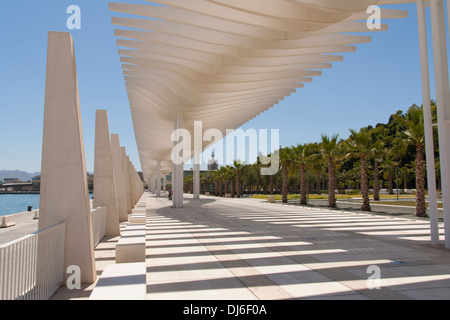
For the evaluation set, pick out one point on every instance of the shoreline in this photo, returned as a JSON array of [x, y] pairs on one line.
[[25, 224], [20, 192]]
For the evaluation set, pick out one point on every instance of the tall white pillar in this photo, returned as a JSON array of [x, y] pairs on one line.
[[130, 176], [64, 193], [428, 122], [104, 181], [164, 183], [126, 178], [152, 182], [177, 173], [443, 104], [196, 181], [119, 178], [158, 179]]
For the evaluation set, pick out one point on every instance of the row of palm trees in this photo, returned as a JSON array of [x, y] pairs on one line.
[[366, 154]]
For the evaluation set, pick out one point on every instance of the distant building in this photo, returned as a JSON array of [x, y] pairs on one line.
[[36, 181], [11, 180], [212, 164]]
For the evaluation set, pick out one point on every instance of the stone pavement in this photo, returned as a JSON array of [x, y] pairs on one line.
[[25, 225], [239, 249]]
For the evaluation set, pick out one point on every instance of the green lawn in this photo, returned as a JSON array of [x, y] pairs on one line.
[[325, 196], [402, 203]]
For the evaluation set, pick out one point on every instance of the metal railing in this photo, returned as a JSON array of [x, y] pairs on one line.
[[32, 267]]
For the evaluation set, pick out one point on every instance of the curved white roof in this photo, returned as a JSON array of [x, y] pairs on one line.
[[225, 62]]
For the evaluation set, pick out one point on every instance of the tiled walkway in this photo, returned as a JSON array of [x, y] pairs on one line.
[[233, 249]]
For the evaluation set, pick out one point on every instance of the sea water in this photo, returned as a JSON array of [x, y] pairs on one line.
[[14, 203]]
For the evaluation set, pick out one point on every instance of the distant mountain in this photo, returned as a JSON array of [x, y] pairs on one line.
[[21, 175]]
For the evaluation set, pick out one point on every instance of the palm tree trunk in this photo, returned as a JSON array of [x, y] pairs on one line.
[[284, 188], [331, 184], [364, 185], [405, 182], [376, 181], [318, 189], [302, 185], [391, 183], [238, 189], [271, 184], [232, 188], [420, 182]]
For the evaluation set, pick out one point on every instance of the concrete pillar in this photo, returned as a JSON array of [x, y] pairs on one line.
[[428, 123], [64, 194], [130, 176], [158, 179], [126, 179], [164, 183], [443, 104], [177, 173], [150, 183], [119, 178], [196, 181], [104, 180]]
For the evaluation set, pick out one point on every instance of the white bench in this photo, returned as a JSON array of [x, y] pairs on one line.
[[127, 281], [131, 245], [138, 218]]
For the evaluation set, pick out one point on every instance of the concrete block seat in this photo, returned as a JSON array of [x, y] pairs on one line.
[[7, 221], [131, 245], [127, 281], [139, 210], [138, 218]]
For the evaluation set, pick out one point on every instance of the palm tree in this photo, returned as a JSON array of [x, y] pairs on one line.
[[285, 163], [330, 150], [222, 176], [361, 144], [389, 165], [316, 164], [229, 176], [415, 135], [238, 169], [301, 156], [378, 155], [404, 173]]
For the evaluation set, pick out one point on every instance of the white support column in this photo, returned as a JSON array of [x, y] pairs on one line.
[[150, 185], [126, 179], [443, 104], [153, 182], [104, 180], [177, 174], [164, 183], [119, 178], [158, 179], [196, 181], [132, 190], [64, 194], [428, 122]]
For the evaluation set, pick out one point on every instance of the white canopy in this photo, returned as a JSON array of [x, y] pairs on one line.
[[225, 62]]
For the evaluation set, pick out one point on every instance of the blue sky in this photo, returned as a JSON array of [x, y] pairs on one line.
[[365, 89]]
